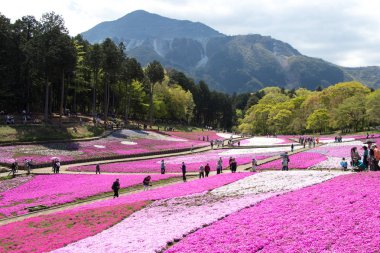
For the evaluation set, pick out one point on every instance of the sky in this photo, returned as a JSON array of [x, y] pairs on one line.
[[344, 32]]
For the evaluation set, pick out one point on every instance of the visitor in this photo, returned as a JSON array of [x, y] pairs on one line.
[[371, 158], [147, 183], [115, 187], [292, 147], [13, 169], [183, 168], [162, 166], [344, 164], [201, 171], [354, 157], [238, 143], [57, 166], [233, 165], [376, 152], [365, 157], [27, 166], [285, 162], [53, 166], [97, 169], [207, 169], [212, 144], [254, 165], [219, 166]]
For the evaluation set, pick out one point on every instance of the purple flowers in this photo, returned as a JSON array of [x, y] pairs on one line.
[[340, 215], [301, 160], [50, 190]]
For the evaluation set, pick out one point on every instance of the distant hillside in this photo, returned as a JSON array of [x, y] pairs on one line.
[[242, 63]]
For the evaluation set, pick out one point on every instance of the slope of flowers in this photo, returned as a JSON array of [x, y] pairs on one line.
[[8, 184], [49, 190], [197, 136], [163, 222], [265, 141], [341, 215], [302, 160], [60, 230], [125, 142], [173, 164]]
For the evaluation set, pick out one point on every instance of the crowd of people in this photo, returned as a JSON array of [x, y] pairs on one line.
[[367, 161]]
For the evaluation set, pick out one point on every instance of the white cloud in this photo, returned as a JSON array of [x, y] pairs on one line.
[[345, 32]]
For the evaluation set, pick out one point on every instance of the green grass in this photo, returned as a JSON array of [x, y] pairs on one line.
[[45, 133]]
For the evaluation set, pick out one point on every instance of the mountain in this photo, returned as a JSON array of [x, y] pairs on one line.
[[242, 63]]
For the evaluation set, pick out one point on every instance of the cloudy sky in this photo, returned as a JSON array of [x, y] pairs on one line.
[[345, 32]]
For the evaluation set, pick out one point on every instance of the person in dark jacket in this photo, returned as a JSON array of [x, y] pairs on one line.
[[97, 169], [115, 188], [207, 169], [146, 183], [183, 168]]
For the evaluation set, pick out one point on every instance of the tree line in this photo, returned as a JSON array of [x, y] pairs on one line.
[[347, 106], [44, 70]]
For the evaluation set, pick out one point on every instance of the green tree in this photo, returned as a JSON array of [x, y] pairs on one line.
[[155, 74], [318, 121]]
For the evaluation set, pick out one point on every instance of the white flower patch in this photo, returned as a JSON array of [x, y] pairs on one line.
[[232, 152], [128, 143], [262, 141], [330, 163], [349, 143], [270, 181], [333, 140], [227, 135], [99, 146]]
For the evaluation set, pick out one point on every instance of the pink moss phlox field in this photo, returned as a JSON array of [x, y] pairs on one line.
[[196, 136], [8, 184], [49, 232], [175, 190], [173, 164], [50, 190], [340, 215], [300, 160], [104, 147]]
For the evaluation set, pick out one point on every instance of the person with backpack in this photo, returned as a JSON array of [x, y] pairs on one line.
[[285, 162], [115, 187]]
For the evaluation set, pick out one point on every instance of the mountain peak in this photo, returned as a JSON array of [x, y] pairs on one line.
[[141, 25]]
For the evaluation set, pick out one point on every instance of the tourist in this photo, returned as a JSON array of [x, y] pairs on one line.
[[365, 157], [354, 156], [292, 147], [57, 166], [343, 164], [13, 169], [97, 169], [233, 165], [254, 165], [285, 162], [212, 144], [219, 166], [376, 152], [147, 183], [27, 166], [201, 171], [207, 169], [115, 187], [162, 166], [183, 168]]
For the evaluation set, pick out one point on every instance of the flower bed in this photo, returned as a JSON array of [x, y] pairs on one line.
[[175, 190], [340, 215], [302, 160], [265, 141], [197, 136], [173, 164], [8, 184], [60, 230], [171, 220], [122, 143], [50, 190]]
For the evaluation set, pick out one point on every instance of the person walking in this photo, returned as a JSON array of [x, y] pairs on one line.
[[254, 165], [285, 162], [162, 166], [292, 147], [57, 166], [115, 187], [146, 183], [233, 165], [27, 166], [183, 168], [201, 171], [97, 169], [207, 169], [13, 169], [220, 164]]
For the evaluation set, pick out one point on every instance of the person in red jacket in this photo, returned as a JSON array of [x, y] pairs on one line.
[[207, 169]]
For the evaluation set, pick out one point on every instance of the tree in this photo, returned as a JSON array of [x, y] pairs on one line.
[[155, 74], [318, 121]]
